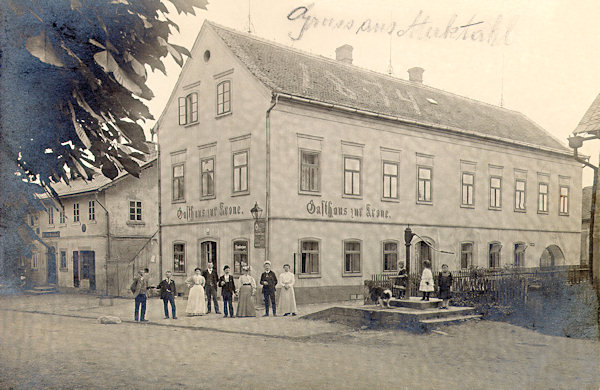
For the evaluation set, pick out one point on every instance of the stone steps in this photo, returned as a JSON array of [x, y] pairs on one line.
[[41, 290], [431, 323]]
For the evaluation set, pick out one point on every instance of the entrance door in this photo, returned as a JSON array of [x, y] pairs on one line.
[[423, 252], [51, 266], [88, 267], [75, 269], [208, 254]]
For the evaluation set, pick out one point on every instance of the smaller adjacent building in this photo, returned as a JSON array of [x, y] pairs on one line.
[[102, 230], [586, 213]]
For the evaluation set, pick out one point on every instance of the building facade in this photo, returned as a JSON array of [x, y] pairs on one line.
[[342, 160], [99, 234]]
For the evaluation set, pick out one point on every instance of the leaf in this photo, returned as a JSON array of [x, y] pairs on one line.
[[109, 169], [109, 64], [83, 104], [132, 131], [172, 23], [78, 129], [111, 47], [40, 47], [137, 66], [181, 50], [96, 43], [130, 165]]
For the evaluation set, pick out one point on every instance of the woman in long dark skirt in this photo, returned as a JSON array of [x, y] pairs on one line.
[[444, 285]]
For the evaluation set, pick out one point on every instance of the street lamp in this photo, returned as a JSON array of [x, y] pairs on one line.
[[256, 211], [408, 236]]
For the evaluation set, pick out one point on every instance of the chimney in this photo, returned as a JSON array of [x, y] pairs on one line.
[[416, 74], [344, 54]]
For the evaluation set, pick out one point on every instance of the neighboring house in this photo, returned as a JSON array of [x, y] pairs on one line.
[[103, 230], [341, 159], [586, 212]]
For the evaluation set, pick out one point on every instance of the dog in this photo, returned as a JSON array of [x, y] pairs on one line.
[[381, 296]]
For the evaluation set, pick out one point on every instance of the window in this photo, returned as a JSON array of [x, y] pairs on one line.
[[75, 212], [50, 215], [31, 220], [224, 97], [310, 175], [495, 192], [240, 171], [520, 195], [352, 257], [34, 260], [178, 182], [468, 181], [240, 255], [63, 260], [390, 180], [62, 218], [309, 253], [466, 255], [188, 109], [179, 258], [542, 197], [494, 254], [207, 181], [424, 184], [135, 210], [92, 210], [564, 201], [352, 176], [390, 256], [520, 254]]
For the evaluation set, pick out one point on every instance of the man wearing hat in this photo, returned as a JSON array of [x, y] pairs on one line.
[[268, 280], [227, 290]]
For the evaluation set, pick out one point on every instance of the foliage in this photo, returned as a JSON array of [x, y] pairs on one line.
[[73, 83]]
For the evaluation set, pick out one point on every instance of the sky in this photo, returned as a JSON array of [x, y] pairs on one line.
[[539, 58]]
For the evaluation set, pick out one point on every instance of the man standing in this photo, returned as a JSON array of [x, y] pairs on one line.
[[139, 288], [212, 279], [227, 291], [167, 294], [268, 280]]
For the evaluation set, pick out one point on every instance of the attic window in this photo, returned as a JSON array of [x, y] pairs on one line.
[[431, 101], [206, 55]]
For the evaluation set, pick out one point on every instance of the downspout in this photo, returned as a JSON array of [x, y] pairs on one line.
[[274, 99], [160, 269], [107, 245]]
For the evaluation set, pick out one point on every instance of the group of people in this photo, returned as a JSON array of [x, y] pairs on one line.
[[203, 286]]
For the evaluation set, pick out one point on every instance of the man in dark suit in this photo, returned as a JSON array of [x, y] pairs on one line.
[[139, 289], [227, 290], [268, 281], [212, 280], [168, 292]]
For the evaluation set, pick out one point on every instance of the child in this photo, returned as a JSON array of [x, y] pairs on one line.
[[426, 286], [444, 284], [400, 280]]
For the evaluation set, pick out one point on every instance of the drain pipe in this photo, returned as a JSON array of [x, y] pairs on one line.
[[274, 99], [107, 245]]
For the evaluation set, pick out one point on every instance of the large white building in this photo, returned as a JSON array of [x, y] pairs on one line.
[[342, 160]]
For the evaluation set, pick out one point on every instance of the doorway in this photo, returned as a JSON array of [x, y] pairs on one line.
[[88, 267], [51, 266], [423, 252], [208, 254]]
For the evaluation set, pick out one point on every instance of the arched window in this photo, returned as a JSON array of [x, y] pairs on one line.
[[188, 109], [310, 254], [466, 255], [520, 254], [352, 257], [494, 254], [390, 256], [224, 97]]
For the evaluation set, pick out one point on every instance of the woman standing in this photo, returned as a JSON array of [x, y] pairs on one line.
[[196, 304], [246, 292], [287, 298], [426, 286]]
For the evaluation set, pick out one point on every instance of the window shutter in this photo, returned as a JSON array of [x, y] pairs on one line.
[[182, 118]]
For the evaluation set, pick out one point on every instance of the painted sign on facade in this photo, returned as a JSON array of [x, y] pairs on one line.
[[190, 213], [330, 210]]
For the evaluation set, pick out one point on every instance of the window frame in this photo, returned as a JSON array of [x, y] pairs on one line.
[[470, 205], [425, 181], [546, 196], [63, 266], [499, 195], [301, 251], [228, 93], [384, 253], [137, 207], [560, 200], [213, 195], [179, 179], [62, 216], [391, 186], [188, 106], [92, 210], [50, 212], [76, 217], [359, 172], [177, 270], [237, 252], [517, 196], [516, 262], [301, 165], [241, 191], [461, 251], [345, 252], [490, 255], [35, 261]]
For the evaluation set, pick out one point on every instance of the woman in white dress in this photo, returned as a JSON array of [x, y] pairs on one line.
[[287, 298], [246, 293], [196, 304]]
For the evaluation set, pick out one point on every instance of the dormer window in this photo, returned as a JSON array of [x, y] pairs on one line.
[[188, 109], [224, 97]]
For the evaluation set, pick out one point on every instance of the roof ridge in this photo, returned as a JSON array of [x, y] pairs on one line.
[[356, 67]]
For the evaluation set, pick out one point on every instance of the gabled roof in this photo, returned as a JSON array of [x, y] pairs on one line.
[[292, 72], [98, 183], [591, 119]]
